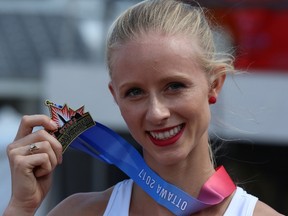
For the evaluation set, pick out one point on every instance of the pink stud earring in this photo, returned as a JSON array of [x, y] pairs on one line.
[[212, 100]]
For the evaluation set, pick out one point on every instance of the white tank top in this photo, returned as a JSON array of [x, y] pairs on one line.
[[242, 204]]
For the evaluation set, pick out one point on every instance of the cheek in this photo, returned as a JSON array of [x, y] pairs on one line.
[[204, 116], [133, 122], [197, 110], [130, 114]]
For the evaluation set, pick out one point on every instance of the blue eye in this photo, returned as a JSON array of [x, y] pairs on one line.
[[133, 92], [175, 86]]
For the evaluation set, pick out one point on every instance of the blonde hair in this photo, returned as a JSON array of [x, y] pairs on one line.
[[170, 17]]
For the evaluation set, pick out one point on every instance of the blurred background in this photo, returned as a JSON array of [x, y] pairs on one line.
[[54, 49]]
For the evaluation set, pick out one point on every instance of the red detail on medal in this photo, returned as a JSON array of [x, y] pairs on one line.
[[71, 123], [62, 114]]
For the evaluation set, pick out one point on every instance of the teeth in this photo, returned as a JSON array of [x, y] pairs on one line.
[[167, 134]]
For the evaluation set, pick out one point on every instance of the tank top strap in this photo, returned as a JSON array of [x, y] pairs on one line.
[[119, 201], [242, 204]]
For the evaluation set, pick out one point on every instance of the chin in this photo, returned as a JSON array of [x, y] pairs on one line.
[[171, 158]]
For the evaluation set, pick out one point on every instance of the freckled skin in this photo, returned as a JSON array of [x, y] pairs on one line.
[[153, 64]]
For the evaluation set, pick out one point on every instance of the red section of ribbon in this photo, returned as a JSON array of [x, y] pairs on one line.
[[217, 188]]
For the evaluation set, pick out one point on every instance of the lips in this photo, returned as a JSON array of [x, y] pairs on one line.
[[166, 136]]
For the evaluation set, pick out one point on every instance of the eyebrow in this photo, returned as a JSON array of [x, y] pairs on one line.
[[162, 80]]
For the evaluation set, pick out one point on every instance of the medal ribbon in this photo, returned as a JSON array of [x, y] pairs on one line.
[[101, 142]]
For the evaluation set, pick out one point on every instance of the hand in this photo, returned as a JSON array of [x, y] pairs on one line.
[[31, 171]]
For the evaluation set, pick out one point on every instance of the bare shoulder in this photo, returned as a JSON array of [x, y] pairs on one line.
[[263, 209], [92, 203]]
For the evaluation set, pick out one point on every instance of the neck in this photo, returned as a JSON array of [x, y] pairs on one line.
[[188, 174]]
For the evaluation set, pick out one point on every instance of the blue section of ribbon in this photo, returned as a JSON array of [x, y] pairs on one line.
[[101, 142]]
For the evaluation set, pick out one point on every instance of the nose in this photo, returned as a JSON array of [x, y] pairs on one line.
[[157, 111]]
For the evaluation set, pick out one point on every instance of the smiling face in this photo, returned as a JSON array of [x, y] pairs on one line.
[[163, 95]]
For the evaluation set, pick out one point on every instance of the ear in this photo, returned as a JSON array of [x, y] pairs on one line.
[[216, 85], [112, 91]]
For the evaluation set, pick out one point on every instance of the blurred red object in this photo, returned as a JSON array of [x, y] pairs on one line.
[[260, 36]]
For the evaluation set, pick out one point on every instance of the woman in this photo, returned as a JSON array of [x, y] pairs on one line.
[[165, 74]]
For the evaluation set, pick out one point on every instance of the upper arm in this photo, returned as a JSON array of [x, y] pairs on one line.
[[93, 203], [263, 209]]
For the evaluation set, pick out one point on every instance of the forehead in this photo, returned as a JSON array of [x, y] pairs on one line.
[[155, 49]]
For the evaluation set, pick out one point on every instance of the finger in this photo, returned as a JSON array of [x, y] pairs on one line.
[[50, 143], [46, 147], [36, 148], [29, 122], [42, 164], [40, 138], [36, 165], [27, 188]]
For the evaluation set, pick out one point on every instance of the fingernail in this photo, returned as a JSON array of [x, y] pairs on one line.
[[60, 159], [54, 124]]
